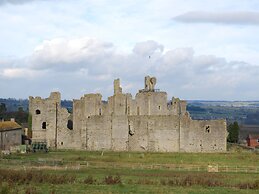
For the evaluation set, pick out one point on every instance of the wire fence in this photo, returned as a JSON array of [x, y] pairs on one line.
[[53, 164]]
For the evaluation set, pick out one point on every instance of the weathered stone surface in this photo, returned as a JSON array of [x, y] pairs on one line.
[[146, 123]]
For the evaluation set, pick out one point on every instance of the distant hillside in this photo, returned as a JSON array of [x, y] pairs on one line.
[[245, 112], [12, 104]]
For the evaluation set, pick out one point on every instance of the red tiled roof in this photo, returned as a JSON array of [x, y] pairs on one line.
[[253, 136]]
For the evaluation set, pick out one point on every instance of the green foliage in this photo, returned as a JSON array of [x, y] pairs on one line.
[[2, 108], [233, 132], [20, 116]]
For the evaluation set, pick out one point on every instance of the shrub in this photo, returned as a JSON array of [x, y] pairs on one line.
[[31, 190], [22, 177], [191, 179], [89, 180], [253, 185], [110, 180]]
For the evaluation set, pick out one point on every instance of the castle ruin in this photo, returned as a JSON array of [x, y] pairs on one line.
[[147, 123]]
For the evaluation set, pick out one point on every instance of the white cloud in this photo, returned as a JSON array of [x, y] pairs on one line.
[[2, 2], [181, 55], [62, 54], [69, 63], [237, 17], [148, 48], [19, 73]]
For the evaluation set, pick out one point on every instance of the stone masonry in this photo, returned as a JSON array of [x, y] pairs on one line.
[[147, 123]]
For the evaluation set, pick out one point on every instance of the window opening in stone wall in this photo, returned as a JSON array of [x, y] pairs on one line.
[[159, 107], [131, 132], [137, 110], [208, 129], [37, 112], [257, 140], [61, 143], [100, 111], [44, 125], [70, 124]]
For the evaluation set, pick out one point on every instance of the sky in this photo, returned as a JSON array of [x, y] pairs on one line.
[[197, 49]]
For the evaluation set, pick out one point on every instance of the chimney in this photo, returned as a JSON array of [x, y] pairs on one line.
[[26, 131]]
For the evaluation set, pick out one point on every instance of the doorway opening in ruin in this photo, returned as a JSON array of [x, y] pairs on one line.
[[44, 125], [70, 124]]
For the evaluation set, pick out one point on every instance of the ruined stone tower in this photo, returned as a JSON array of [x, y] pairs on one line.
[[146, 123]]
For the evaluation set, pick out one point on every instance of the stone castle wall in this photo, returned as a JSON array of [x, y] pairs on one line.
[[146, 123]]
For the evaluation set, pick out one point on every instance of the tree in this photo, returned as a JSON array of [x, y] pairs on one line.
[[233, 132], [20, 109], [3, 108]]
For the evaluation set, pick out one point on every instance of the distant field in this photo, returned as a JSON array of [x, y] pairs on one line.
[[243, 112], [122, 172]]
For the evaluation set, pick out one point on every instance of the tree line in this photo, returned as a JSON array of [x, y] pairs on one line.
[[20, 115]]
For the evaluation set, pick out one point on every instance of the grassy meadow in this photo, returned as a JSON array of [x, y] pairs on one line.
[[124, 172]]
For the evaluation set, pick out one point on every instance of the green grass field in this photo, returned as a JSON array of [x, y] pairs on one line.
[[123, 172]]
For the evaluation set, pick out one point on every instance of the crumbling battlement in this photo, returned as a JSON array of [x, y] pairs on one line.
[[146, 123]]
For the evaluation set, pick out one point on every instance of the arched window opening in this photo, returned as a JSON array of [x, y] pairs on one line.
[[100, 111], [44, 125], [37, 112], [70, 124]]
